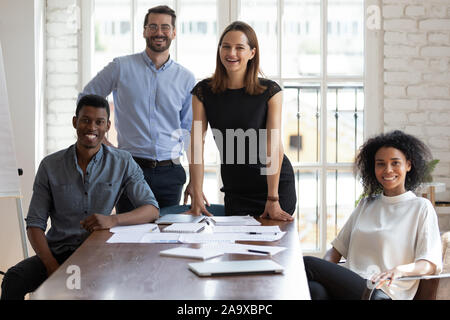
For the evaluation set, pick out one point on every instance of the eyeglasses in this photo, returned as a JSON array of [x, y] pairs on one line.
[[155, 27]]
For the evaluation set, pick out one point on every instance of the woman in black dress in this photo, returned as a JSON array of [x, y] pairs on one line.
[[244, 113]]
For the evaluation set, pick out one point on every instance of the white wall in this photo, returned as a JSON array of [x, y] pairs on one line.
[[17, 34]]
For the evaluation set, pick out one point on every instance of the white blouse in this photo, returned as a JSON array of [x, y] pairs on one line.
[[390, 231]]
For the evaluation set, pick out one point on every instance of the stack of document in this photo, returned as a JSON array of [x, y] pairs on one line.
[[234, 221]]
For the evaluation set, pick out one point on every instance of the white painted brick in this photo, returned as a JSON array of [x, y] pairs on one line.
[[418, 117], [442, 169], [396, 64], [62, 106], [434, 105], [395, 37], [402, 77], [61, 28], [62, 54], [61, 3], [439, 38], [388, 128], [434, 24], [414, 11], [62, 132], [400, 51], [438, 92], [400, 25], [62, 41], [417, 38], [62, 66], [394, 118], [415, 130], [56, 80], [440, 117], [438, 131], [394, 91], [435, 51], [61, 119], [419, 64], [439, 65], [62, 93], [392, 11], [443, 77], [400, 104], [61, 14], [438, 11], [417, 91]]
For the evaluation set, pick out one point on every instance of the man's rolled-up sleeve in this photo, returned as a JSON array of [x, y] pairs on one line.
[[136, 188], [41, 200]]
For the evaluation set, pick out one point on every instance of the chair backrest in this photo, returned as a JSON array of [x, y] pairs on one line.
[[431, 289]]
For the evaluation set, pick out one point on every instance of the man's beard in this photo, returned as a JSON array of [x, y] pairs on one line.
[[158, 48]]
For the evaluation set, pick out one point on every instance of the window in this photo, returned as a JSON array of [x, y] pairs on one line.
[[314, 49]]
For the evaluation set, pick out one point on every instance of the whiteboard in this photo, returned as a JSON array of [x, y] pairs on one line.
[[9, 177]]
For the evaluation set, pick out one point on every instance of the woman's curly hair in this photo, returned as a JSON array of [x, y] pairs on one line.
[[414, 150]]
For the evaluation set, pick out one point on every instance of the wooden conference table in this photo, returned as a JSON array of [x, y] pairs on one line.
[[137, 271]]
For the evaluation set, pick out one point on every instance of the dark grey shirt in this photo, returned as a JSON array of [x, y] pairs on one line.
[[62, 193]]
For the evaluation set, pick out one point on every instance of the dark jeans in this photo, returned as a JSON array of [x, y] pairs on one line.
[[27, 276], [166, 183], [327, 281]]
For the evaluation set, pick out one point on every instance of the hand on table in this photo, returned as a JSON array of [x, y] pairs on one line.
[[274, 211], [98, 222]]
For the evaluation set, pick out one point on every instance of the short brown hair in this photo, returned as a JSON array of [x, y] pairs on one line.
[[161, 10], [251, 81]]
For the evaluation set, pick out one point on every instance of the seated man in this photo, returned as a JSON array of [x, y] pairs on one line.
[[78, 188]]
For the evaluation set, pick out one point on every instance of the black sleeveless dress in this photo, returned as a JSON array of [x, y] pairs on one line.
[[238, 122]]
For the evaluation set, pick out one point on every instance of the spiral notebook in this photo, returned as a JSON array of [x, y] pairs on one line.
[[185, 227]]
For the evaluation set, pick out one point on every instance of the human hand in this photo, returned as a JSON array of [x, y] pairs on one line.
[[98, 222], [274, 211], [198, 208], [386, 277], [189, 192]]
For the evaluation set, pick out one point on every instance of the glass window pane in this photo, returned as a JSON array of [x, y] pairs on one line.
[[345, 37], [301, 38], [345, 122], [112, 25], [307, 183], [343, 189], [262, 16], [197, 36], [301, 122]]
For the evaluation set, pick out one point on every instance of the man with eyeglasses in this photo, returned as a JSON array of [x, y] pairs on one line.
[[153, 107]]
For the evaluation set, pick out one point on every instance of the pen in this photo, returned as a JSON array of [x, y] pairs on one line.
[[258, 251], [154, 228], [254, 233]]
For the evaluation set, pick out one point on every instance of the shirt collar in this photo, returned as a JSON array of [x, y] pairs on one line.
[[409, 195], [97, 157], [150, 63]]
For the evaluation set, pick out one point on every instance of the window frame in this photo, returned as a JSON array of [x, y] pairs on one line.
[[228, 11]]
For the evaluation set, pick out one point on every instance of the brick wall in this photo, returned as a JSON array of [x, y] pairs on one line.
[[63, 74], [417, 74], [417, 77]]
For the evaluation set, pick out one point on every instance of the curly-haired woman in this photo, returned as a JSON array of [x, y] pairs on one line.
[[391, 234]]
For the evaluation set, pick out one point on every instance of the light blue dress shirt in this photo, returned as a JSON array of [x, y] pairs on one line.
[[153, 107], [62, 193]]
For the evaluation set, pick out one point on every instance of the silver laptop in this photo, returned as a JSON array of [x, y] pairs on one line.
[[220, 268]]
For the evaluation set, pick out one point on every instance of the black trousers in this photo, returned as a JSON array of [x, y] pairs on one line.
[[27, 276], [330, 281], [166, 183]]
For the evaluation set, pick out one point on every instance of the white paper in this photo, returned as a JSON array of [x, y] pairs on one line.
[[238, 248], [162, 237], [242, 229], [235, 221], [126, 237], [139, 228], [196, 253], [206, 237]]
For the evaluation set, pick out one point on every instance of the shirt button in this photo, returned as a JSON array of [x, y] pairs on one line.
[[85, 193], [85, 212]]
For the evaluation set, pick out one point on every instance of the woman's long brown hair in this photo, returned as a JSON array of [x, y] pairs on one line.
[[251, 81]]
